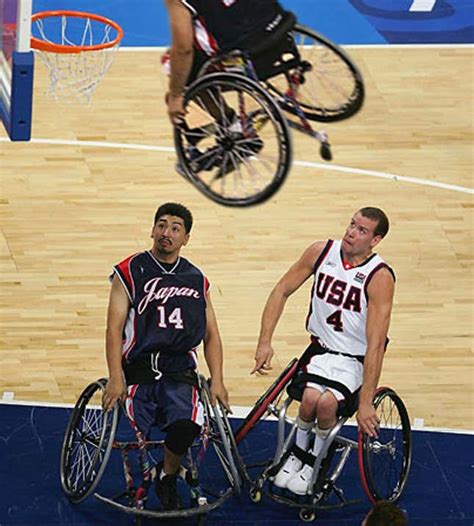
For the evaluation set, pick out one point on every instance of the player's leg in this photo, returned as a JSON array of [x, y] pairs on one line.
[[180, 416], [326, 409], [305, 424]]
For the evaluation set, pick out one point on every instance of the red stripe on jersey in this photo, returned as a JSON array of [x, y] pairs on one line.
[[124, 267], [126, 349], [371, 275], [203, 40]]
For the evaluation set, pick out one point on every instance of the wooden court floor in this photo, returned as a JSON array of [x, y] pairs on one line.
[[69, 212]]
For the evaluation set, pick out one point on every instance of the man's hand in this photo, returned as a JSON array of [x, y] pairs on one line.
[[175, 108], [114, 390], [219, 392], [367, 420], [263, 359]]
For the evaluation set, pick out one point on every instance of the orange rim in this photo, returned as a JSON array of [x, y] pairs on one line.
[[42, 45]]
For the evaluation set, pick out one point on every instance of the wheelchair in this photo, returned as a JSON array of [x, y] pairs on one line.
[[234, 143], [384, 462], [91, 436]]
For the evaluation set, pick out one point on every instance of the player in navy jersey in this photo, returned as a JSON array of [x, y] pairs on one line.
[[348, 320], [201, 28], [159, 312]]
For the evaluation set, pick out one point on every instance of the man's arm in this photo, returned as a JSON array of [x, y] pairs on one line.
[[181, 56], [214, 356], [292, 280], [380, 296], [117, 313]]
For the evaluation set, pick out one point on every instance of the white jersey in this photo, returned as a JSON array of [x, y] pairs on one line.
[[338, 310]]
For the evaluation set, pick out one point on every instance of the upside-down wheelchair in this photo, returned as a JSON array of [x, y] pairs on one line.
[[91, 435], [234, 142], [384, 461]]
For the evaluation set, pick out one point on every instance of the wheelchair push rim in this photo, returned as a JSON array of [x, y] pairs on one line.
[[233, 168], [384, 462], [329, 85], [87, 443]]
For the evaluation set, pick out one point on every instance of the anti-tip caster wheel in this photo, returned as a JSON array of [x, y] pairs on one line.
[[325, 151], [307, 515], [255, 495]]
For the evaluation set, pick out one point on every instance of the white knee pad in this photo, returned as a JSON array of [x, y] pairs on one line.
[[302, 424]]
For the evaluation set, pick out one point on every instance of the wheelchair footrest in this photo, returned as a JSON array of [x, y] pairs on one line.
[[183, 513]]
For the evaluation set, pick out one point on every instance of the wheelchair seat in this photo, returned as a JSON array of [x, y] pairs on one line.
[[277, 53]]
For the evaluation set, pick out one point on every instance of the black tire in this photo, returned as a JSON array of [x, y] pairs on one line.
[[332, 89], [261, 405], [384, 462], [233, 171], [220, 436], [87, 443]]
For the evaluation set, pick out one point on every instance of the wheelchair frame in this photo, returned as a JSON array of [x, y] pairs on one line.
[[235, 70], [323, 482], [90, 438], [393, 442]]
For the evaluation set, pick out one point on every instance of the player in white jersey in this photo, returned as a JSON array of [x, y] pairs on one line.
[[348, 320]]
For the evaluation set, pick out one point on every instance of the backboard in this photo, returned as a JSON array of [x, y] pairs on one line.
[[16, 68]]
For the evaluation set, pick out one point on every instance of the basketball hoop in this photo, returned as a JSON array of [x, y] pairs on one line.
[[77, 48]]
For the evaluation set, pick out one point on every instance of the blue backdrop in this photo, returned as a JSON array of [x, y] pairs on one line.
[[344, 21]]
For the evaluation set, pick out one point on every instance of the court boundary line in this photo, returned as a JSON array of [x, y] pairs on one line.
[[144, 49], [306, 164], [237, 412]]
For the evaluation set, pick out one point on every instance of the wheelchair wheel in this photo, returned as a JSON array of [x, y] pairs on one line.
[[384, 462], [221, 438], [87, 443], [234, 143], [330, 87], [269, 396]]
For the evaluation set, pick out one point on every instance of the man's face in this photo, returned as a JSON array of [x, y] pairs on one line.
[[359, 237], [169, 234]]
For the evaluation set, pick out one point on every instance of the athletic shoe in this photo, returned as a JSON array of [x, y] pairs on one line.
[[289, 468], [300, 481], [167, 493]]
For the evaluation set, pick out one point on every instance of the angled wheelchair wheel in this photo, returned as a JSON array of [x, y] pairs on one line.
[[329, 85], [384, 462], [221, 438], [262, 404], [234, 143], [87, 443]]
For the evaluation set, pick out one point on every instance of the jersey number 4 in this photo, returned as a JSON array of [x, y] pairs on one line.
[[174, 318], [335, 319]]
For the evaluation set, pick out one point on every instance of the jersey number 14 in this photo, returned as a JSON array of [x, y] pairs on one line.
[[174, 318]]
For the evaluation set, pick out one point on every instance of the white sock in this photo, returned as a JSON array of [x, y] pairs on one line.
[[162, 474], [303, 433], [321, 435]]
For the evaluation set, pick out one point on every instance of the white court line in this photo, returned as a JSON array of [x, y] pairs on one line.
[[238, 411], [307, 164], [424, 6]]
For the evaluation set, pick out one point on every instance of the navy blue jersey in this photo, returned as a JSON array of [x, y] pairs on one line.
[[231, 22], [167, 316]]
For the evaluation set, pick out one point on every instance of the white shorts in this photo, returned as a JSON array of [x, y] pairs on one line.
[[342, 369]]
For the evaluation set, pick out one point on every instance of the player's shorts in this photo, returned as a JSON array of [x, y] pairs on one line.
[[161, 403], [327, 370]]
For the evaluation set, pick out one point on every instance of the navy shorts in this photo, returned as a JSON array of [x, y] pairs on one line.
[[161, 403]]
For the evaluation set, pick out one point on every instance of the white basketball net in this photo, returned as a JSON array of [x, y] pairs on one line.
[[75, 76]]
